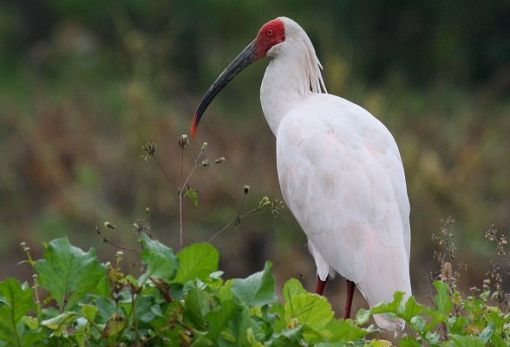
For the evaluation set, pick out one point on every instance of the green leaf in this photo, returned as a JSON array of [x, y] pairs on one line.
[[192, 194], [240, 325], [69, 273], [219, 319], [257, 289], [362, 316], [160, 260], [196, 306], [89, 311], [443, 300], [15, 301], [378, 343], [486, 334], [392, 307], [466, 341], [344, 330], [60, 321], [411, 309], [197, 261], [311, 310], [418, 323], [292, 287], [408, 341], [114, 325], [289, 337]]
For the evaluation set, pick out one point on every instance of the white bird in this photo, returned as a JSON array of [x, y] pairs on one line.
[[339, 168]]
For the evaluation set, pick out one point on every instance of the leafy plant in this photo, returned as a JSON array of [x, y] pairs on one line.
[[182, 299]]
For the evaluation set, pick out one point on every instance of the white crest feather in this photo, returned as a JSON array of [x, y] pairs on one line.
[[311, 65]]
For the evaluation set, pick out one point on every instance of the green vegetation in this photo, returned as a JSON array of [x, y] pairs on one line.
[[182, 299]]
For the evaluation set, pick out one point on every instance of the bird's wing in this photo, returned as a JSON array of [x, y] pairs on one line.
[[341, 175]]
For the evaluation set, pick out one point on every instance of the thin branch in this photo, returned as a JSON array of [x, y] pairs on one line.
[[183, 189]]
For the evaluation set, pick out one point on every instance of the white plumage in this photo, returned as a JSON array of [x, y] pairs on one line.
[[340, 174], [339, 168]]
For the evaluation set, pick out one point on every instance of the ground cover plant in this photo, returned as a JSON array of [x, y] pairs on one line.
[[182, 299]]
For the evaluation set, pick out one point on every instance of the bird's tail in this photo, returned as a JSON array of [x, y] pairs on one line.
[[381, 282]]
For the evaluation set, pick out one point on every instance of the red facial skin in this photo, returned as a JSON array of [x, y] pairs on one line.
[[271, 33]]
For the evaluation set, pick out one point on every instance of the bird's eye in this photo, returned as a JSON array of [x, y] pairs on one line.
[[269, 32]]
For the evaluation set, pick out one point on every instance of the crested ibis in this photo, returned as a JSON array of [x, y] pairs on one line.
[[339, 168]]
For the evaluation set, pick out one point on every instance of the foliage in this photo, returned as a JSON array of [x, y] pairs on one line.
[[84, 83], [182, 299]]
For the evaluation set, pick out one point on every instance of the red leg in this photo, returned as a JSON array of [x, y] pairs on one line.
[[320, 285], [348, 303]]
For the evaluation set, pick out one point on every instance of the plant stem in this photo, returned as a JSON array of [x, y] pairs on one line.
[[182, 190]]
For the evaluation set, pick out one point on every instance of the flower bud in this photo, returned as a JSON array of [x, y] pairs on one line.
[[183, 141]]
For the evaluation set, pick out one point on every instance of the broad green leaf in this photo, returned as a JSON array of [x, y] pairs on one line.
[[251, 338], [432, 337], [311, 310], [498, 341], [89, 311], [289, 337], [408, 341], [418, 323], [15, 301], [392, 307], [196, 306], [466, 341], [292, 287], [257, 289], [362, 316], [411, 309], [69, 273], [240, 325], [197, 261], [443, 299], [344, 330], [114, 325], [217, 320], [160, 260]]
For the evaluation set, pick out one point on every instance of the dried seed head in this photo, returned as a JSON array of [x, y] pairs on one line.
[[109, 225], [149, 150], [23, 244], [183, 141], [220, 160], [204, 146], [205, 162], [246, 189]]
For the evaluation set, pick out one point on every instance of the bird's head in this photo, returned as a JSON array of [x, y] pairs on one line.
[[270, 36]]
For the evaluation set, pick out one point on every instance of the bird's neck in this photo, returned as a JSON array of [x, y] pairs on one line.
[[284, 85]]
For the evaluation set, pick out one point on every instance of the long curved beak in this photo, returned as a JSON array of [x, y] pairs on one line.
[[245, 58]]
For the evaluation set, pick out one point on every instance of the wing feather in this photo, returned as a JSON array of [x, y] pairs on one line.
[[341, 175]]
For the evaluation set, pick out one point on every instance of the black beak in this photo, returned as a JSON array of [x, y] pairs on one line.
[[245, 58]]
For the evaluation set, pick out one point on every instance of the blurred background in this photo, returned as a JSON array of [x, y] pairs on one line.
[[85, 84]]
